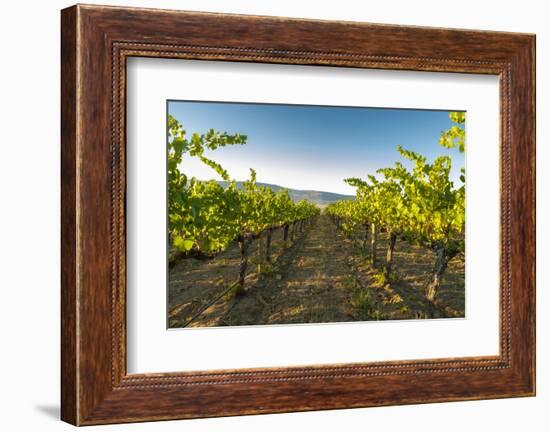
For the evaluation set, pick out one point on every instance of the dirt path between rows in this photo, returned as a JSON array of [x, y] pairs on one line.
[[310, 285], [321, 277]]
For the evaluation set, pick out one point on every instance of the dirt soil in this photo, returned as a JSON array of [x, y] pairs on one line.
[[320, 277]]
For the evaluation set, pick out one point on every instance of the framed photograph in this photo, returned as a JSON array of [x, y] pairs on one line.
[[264, 215]]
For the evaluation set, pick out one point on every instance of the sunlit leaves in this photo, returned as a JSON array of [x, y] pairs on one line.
[[205, 217], [420, 203], [455, 136]]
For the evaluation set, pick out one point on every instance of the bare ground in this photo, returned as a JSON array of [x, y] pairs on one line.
[[321, 277]]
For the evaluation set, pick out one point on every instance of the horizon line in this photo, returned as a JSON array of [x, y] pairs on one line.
[[278, 185]]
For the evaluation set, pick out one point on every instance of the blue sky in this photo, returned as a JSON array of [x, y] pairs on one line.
[[312, 147]]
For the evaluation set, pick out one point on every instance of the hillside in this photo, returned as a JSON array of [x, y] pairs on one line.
[[317, 197]]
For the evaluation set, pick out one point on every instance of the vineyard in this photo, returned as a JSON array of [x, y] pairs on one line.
[[251, 255]]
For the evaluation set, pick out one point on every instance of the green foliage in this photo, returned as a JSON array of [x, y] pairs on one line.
[[420, 204], [366, 307], [455, 136], [204, 217], [434, 210], [381, 278]]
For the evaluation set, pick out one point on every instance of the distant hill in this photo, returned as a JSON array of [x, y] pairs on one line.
[[319, 198]]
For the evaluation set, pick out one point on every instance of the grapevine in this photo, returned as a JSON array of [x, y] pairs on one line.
[[205, 218]]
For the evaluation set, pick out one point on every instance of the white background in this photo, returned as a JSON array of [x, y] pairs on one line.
[[29, 225], [151, 348]]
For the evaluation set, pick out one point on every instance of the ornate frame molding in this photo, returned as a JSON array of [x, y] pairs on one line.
[[96, 41]]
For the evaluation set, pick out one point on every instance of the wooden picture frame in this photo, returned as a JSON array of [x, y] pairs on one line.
[[95, 43]]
